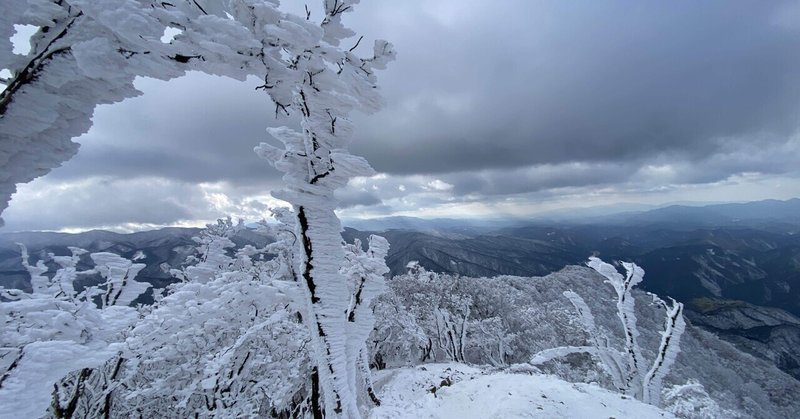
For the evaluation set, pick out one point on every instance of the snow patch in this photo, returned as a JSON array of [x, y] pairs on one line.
[[460, 391]]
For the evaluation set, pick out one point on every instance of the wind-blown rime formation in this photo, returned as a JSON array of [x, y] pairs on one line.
[[330, 83], [626, 368], [627, 317], [674, 326]]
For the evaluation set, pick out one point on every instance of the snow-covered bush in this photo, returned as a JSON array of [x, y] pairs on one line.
[[691, 401], [225, 341], [59, 328], [430, 317]]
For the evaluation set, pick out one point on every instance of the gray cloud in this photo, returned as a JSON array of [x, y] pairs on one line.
[[349, 198], [489, 106], [480, 85], [537, 178], [523, 83], [197, 128]]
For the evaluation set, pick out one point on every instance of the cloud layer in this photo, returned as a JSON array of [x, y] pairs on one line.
[[491, 108]]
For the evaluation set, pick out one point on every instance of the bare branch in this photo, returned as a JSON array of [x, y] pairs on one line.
[[357, 42]]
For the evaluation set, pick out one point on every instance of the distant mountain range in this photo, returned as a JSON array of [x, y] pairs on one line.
[[772, 214], [729, 263], [748, 252], [769, 213], [760, 267], [730, 256]]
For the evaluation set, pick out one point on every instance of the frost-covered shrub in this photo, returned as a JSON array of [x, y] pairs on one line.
[[427, 317], [228, 346], [225, 341], [59, 328], [691, 401]]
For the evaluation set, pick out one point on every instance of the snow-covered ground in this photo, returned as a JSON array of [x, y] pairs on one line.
[[460, 391]]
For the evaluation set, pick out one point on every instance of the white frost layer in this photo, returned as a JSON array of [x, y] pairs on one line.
[[405, 393]]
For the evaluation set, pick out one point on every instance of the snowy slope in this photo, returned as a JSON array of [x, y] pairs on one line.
[[460, 391]]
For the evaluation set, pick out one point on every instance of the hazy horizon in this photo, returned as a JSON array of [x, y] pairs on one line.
[[565, 214]]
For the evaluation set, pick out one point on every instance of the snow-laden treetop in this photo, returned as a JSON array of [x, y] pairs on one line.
[[88, 52]]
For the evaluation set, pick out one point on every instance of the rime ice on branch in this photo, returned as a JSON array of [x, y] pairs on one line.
[[85, 53], [626, 367], [89, 52], [329, 83]]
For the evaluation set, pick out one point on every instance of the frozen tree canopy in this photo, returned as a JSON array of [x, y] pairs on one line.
[[87, 53]]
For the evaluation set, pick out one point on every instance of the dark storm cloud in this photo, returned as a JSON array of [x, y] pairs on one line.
[[518, 83], [488, 103], [498, 85]]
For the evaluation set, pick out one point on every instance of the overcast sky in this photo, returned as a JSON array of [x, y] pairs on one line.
[[493, 109]]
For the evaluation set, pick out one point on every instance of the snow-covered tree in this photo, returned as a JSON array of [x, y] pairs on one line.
[[398, 338], [223, 342], [59, 328], [283, 233], [88, 392], [329, 82], [625, 367], [89, 52], [433, 314], [365, 272]]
